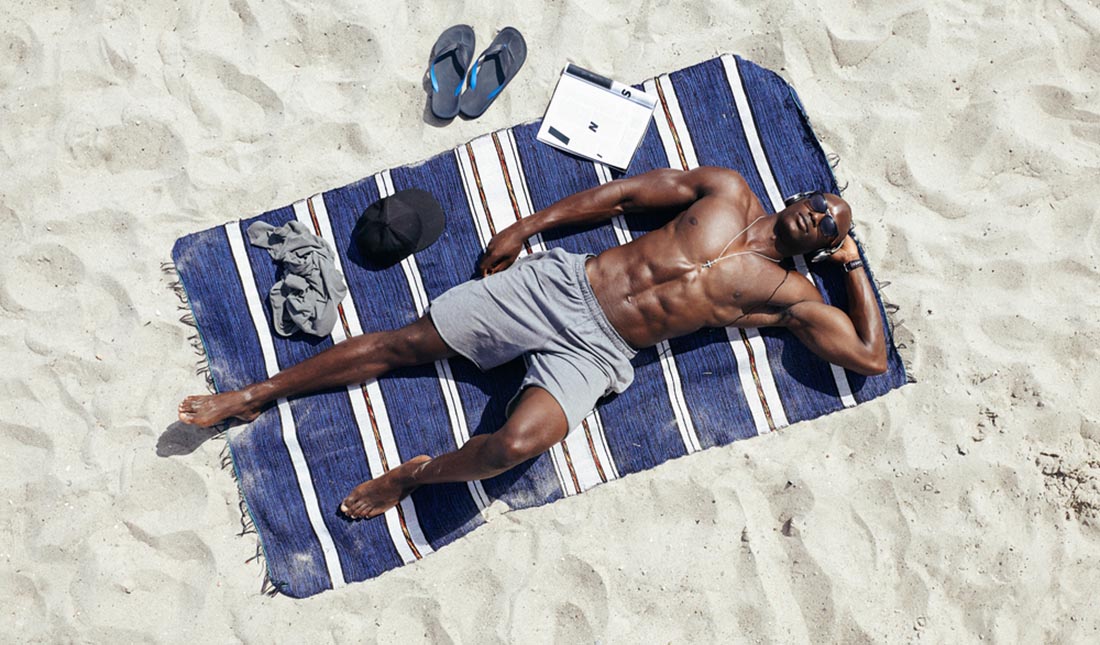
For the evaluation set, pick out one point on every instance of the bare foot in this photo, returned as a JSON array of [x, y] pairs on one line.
[[376, 496], [207, 410]]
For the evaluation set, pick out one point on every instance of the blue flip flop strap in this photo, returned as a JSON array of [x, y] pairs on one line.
[[458, 50], [503, 54], [498, 90]]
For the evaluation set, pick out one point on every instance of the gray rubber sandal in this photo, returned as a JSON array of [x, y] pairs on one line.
[[492, 71], [451, 57]]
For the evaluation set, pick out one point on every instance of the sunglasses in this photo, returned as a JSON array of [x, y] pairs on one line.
[[827, 225]]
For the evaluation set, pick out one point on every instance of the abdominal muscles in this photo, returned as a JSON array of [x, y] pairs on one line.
[[670, 303]]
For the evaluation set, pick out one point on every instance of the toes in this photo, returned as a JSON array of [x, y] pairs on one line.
[[353, 508], [359, 510]]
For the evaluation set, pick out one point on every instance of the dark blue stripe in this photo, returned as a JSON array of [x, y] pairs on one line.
[[448, 263], [704, 360], [414, 403], [804, 381]]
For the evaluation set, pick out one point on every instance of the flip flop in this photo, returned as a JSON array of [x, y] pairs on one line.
[[451, 57], [494, 68]]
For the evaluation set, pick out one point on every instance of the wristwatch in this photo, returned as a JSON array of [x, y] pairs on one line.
[[852, 265]]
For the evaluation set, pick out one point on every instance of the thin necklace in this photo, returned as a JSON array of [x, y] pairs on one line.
[[709, 263]]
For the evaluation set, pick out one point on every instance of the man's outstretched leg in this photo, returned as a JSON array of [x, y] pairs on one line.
[[536, 424], [353, 361]]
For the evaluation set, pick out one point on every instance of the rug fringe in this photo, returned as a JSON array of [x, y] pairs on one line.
[[248, 525], [202, 368], [895, 323], [833, 160], [269, 588]]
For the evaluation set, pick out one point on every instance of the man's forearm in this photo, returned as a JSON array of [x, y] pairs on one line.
[[656, 190], [660, 189], [864, 312], [586, 207]]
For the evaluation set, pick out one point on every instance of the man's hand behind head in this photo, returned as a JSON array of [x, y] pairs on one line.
[[848, 251]]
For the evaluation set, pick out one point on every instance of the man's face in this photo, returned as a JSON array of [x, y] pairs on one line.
[[801, 228]]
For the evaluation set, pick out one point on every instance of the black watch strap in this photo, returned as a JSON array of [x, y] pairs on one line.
[[852, 265]]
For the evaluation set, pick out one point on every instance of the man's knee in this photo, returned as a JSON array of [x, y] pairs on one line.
[[534, 427], [511, 451]]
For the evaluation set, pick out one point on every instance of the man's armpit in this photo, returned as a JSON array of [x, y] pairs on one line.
[[767, 316], [795, 316]]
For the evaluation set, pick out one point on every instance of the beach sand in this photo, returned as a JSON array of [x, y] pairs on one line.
[[962, 508]]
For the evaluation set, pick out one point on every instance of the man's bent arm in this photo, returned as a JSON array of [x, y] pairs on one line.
[[864, 313], [854, 340], [654, 190]]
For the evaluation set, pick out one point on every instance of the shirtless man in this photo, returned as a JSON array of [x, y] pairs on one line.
[[714, 264]]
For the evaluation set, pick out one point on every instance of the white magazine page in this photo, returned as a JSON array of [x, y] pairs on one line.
[[596, 118]]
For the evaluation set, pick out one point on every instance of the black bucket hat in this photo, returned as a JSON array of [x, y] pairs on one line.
[[395, 227]]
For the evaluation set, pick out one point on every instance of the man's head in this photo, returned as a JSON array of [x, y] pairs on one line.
[[812, 222]]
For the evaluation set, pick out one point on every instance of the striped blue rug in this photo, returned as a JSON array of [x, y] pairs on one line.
[[299, 459]]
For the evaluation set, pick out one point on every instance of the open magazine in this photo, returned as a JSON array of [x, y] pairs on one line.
[[596, 118]]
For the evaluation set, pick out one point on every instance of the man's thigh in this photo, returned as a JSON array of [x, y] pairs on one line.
[[490, 324], [573, 381], [421, 342]]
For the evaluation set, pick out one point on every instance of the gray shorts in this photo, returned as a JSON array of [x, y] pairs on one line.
[[541, 306]]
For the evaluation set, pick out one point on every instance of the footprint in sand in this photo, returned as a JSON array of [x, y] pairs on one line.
[[412, 619], [224, 98], [135, 143], [38, 278], [570, 602], [22, 57], [26, 612]]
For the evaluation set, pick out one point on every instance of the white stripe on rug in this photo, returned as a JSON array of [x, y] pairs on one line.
[[674, 124], [504, 143], [365, 398], [289, 432], [455, 411], [764, 169], [473, 200]]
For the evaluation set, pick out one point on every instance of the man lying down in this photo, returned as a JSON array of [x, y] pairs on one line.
[[581, 318]]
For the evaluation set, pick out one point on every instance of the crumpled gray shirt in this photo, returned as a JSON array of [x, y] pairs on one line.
[[306, 297]]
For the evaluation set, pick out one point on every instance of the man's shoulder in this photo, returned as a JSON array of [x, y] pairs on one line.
[[717, 179], [724, 192]]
